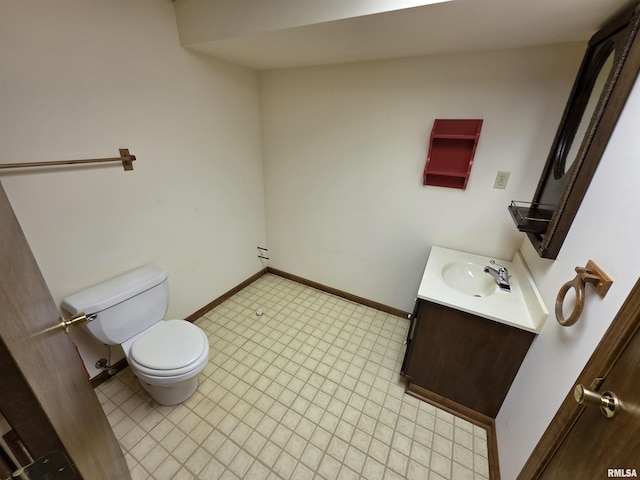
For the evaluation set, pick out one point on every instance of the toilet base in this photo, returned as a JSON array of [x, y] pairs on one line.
[[173, 393]]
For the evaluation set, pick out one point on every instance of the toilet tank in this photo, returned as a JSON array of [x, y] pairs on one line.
[[124, 306]]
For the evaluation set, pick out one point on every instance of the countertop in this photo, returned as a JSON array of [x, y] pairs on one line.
[[521, 308]]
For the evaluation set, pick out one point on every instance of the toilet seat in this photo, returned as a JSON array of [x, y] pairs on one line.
[[173, 348]]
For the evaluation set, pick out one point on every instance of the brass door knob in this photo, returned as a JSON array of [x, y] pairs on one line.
[[607, 401], [77, 319]]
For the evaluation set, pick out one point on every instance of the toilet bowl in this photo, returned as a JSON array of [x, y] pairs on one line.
[[165, 355], [167, 358]]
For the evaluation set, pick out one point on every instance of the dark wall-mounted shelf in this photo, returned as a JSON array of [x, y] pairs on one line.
[[452, 147], [530, 217]]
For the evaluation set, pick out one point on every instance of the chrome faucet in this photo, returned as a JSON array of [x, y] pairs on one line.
[[501, 275]]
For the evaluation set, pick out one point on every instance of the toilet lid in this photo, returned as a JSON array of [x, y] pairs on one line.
[[172, 345]]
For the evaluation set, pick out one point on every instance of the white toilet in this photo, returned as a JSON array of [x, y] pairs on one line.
[[165, 355]]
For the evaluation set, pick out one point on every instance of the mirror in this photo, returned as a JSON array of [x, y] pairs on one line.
[[563, 163], [605, 78]]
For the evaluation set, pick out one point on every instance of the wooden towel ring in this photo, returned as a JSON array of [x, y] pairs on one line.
[[592, 274]]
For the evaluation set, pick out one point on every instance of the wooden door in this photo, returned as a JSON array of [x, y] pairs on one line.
[[582, 442], [46, 394]]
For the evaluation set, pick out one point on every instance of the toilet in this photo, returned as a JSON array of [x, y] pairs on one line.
[[165, 355]]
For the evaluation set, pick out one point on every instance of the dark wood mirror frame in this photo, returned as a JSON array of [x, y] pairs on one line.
[[547, 219]]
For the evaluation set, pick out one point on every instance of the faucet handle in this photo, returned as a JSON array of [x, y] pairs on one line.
[[502, 269]]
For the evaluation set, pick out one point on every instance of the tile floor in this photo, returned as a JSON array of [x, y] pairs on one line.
[[308, 390]]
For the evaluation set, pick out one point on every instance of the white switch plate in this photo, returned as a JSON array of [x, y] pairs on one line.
[[501, 180]]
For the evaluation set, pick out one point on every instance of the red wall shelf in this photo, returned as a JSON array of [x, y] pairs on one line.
[[451, 150]]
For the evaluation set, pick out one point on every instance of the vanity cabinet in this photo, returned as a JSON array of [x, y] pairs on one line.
[[464, 358]]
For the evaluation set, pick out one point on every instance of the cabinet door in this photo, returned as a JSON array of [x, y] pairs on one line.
[[465, 358]]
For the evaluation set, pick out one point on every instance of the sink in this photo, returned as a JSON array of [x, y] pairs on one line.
[[456, 279], [468, 278]]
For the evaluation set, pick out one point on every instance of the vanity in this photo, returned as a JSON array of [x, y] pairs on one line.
[[468, 336]]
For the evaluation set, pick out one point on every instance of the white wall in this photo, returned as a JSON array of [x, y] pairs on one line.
[[202, 21], [81, 79], [345, 146], [605, 230]]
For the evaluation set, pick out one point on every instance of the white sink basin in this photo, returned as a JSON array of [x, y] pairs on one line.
[[457, 280], [468, 278]]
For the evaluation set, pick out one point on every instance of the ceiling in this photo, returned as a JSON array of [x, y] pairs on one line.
[[451, 27]]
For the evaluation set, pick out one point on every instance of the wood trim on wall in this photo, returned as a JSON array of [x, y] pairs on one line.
[[121, 364], [623, 328], [340, 293], [467, 414], [104, 376], [225, 296]]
